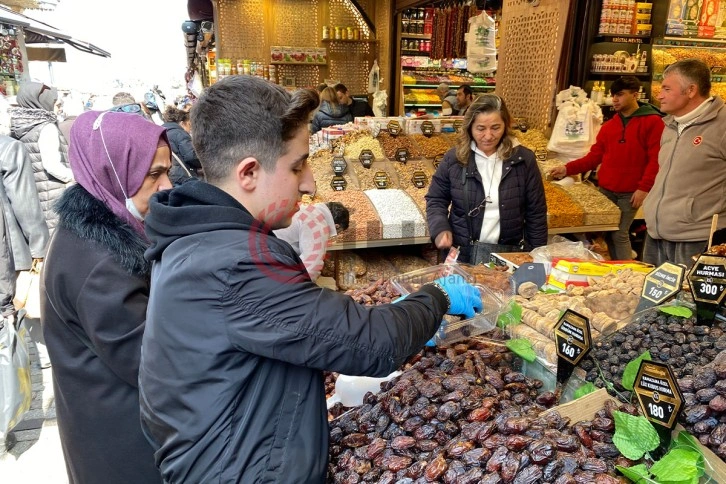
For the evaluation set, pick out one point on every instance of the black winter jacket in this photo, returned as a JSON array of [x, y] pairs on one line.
[[237, 336], [181, 144], [522, 205], [94, 290]]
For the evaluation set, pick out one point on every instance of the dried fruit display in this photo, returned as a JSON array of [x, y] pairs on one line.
[[533, 139], [417, 195], [599, 210], [364, 221], [379, 292], [705, 408], [392, 143], [680, 342], [718, 250], [405, 171], [463, 415], [431, 147], [366, 176], [562, 210], [496, 279], [321, 165]]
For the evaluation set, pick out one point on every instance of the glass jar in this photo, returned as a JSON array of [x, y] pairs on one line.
[[356, 33], [337, 33], [350, 32], [343, 34], [326, 32]]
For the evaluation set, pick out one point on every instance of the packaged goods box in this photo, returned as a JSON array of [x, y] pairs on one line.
[[566, 272]]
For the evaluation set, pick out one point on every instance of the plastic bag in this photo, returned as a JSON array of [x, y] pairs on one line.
[[561, 248], [577, 124], [16, 391], [481, 50]]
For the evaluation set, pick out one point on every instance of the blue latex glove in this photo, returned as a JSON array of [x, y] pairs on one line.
[[465, 299]]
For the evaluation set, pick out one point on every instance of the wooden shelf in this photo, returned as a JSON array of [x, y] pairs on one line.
[[416, 36], [620, 74], [415, 53], [299, 63], [422, 104], [369, 41], [623, 39], [453, 86]]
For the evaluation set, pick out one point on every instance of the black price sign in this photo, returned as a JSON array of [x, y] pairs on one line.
[[427, 128], [658, 394], [572, 334], [661, 284], [437, 160], [402, 155], [458, 124], [419, 179], [338, 183], [339, 165], [708, 279], [366, 158], [381, 179], [394, 128]]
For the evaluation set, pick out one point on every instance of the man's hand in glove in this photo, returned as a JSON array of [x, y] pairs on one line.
[[463, 297]]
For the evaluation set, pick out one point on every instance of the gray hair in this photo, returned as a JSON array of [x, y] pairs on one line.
[[245, 116], [693, 71]]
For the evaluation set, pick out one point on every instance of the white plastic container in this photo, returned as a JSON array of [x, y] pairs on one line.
[[350, 390]]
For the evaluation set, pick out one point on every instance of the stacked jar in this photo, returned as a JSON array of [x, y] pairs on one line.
[[616, 17]]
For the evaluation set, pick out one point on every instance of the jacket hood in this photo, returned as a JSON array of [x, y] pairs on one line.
[[192, 208], [172, 126], [333, 110], [645, 109], [23, 120]]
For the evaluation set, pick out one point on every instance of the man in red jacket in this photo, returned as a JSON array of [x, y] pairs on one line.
[[627, 151]]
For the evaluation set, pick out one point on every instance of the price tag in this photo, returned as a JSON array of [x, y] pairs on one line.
[[427, 128], [437, 160], [338, 183], [573, 340], [366, 158], [458, 124], [661, 284], [381, 179], [708, 285], [402, 155], [339, 165], [419, 179], [394, 128], [658, 394]]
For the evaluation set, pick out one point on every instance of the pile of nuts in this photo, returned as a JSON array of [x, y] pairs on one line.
[[392, 143], [466, 416], [599, 210], [405, 174], [353, 149], [364, 221], [366, 176], [433, 146], [562, 210], [399, 215]]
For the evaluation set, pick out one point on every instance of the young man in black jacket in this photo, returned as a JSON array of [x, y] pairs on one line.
[[357, 108], [237, 335]]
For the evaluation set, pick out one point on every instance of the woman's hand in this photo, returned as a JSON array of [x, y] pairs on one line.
[[444, 240]]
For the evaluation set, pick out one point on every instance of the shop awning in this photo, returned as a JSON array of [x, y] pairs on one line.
[[46, 52], [40, 32]]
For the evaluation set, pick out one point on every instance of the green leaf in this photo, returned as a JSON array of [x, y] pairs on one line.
[[522, 347], [677, 465], [631, 371], [637, 474], [634, 436], [584, 390], [684, 440], [550, 291], [681, 311], [511, 314]]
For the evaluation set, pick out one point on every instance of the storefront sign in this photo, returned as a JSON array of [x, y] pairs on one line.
[[573, 340], [419, 179], [366, 158], [708, 285], [381, 179], [394, 128], [427, 128], [339, 165], [402, 155], [658, 394], [661, 284], [338, 183]]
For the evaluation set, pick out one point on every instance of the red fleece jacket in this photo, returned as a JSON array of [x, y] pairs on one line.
[[630, 165]]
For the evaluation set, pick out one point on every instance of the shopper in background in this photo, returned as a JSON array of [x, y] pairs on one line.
[[626, 150], [72, 107], [121, 98], [464, 98], [94, 292], [231, 375], [310, 230], [330, 112], [35, 124], [487, 194], [448, 99], [358, 109], [24, 231], [178, 128], [690, 185]]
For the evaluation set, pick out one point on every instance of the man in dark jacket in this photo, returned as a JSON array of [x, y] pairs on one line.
[[237, 335], [626, 150], [358, 109]]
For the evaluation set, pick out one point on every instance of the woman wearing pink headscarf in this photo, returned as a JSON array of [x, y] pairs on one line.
[[94, 294]]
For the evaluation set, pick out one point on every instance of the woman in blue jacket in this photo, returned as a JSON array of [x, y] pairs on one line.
[[487, 195], [330, 112]]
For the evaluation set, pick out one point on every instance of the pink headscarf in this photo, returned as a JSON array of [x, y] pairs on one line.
[[131, 142]]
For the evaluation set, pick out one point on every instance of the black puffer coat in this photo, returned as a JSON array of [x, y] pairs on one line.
[[522, 205], [237, 336], [180, 143]]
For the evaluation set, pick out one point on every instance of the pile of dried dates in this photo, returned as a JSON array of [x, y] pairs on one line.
[[377, 293], [704, 414], [463, 415]]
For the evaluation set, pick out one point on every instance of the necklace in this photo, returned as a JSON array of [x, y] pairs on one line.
[[488, 198]]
